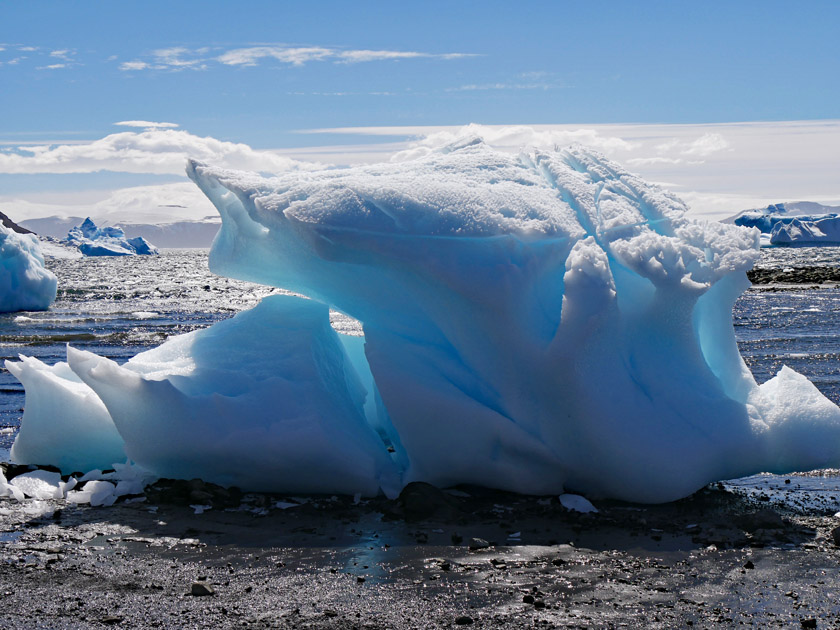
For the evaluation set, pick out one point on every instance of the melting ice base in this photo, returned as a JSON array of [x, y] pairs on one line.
[[25, 284], [538, 323]]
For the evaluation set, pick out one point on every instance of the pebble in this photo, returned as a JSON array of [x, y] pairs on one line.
[[201, 588]]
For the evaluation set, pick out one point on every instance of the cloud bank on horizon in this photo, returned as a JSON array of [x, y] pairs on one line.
[[717, 169]]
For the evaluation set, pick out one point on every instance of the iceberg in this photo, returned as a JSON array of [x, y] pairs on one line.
[[544, 323], [107, 241], [800, 223], [25, 283]]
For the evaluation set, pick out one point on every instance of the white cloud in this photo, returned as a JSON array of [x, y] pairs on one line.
[[174, 58], [470, 87], [145, 124], [183, 58], [514, 138], [156, 204], [740, 165], [707, 144], [54, 66], [154, 150], [646, 161], [295, 56], [128, 66], [358, 56]]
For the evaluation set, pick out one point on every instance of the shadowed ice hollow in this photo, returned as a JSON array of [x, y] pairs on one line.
[[541, 323]]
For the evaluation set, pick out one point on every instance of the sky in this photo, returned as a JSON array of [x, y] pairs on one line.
[[729, 104]]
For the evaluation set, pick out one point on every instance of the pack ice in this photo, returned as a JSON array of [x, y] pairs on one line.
[[25, 283], [541, 323]]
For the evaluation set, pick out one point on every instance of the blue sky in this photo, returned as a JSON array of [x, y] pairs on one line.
[[257, 73]]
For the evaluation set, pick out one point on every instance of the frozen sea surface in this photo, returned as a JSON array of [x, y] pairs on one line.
[[118, 307]]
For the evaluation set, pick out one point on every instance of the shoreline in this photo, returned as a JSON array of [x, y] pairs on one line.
[[437, 559]]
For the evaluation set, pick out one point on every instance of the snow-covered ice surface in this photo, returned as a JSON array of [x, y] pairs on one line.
[[107, 241], [25, 283], [542, 323]]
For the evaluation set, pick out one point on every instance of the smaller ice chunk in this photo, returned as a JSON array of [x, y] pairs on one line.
[[8, 490], [107, 241], [131, 478], [78, 496], [64, 423], [40, 484], [577, 503], [25, 283], [100, 493]]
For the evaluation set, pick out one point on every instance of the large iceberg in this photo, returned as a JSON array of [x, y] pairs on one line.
[[25, 283], [541, 323], [107, 241]]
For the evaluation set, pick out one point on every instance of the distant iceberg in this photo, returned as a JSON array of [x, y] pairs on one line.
[[542, 323], [801, 223], [25, 283], [107, 241]]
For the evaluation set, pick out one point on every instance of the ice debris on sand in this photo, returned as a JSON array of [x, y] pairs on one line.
[[25, 283], [96, 488], [107, 241], [541, 323]]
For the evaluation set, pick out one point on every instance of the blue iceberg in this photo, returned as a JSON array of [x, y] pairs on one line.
[[541, 323], [107, 241], [802, 223], [25, 283]]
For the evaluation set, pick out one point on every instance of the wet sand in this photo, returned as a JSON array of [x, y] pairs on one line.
[[722, 557]]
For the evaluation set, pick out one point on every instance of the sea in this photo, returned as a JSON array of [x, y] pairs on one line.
[[120, 306]]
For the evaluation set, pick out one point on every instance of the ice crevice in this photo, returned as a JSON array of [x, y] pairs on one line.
[[533, 323]]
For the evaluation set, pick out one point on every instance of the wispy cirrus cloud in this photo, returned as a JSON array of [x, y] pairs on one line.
[[146, 124], [175, 58], [180, 58], [50, 59], [478, 87]]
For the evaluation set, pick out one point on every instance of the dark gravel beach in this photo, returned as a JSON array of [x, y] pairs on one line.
[[431, 559]]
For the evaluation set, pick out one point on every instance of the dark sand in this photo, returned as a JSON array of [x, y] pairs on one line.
[[718, 558]]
